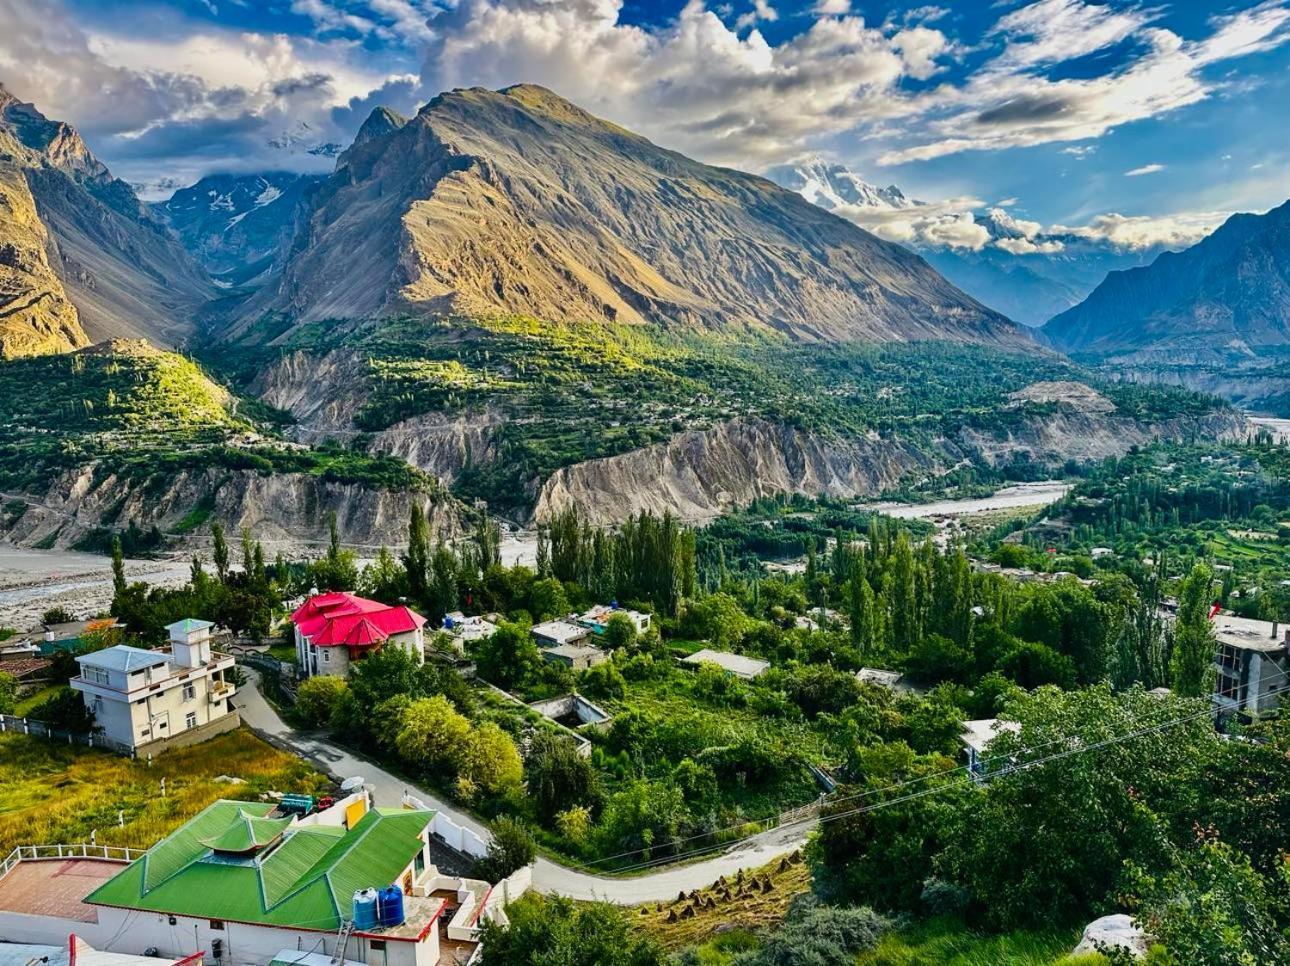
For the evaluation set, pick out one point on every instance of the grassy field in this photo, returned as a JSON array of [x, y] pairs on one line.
[[57, 794], [948, 942]]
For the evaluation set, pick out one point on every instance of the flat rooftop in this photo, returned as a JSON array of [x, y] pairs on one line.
[[1250, 634], [738, 665], [55, 887]]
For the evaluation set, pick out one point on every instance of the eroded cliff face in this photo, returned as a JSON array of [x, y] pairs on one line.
[[284, 511], [700, 474]]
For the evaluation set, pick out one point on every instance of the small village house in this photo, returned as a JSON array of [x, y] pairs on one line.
[[976, 738], [746, 668], [1252, 659], [335, 629], [596, 620], [147, 701]]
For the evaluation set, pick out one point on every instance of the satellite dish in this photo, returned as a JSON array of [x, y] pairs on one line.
[[352, 784]]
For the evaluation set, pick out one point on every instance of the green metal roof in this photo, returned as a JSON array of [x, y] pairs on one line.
[[247, 833], [306, 881]]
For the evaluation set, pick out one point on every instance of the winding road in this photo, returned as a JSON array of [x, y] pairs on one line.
[[548, 877]]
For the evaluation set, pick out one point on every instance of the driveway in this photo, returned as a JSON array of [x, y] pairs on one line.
[[548, 876]]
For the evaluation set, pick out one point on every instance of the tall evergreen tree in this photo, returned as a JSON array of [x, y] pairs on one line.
[[1193, 656], [219, 551], [417, 560]]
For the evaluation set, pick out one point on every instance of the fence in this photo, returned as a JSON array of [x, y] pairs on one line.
[[85, 850], [40, 729]]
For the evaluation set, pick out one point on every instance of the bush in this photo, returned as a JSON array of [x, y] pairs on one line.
[[574, 824], [814, 934], [491, 760], [318, 698], [512, 848], [604, 681]]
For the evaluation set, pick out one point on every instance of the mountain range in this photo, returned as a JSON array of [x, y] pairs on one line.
[[81, 259], [1009, 264]]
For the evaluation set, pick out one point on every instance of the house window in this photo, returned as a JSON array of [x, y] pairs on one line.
[[190, 719], [95, 675], [190, 691], [326, 657], [376, 945], [217, 923]]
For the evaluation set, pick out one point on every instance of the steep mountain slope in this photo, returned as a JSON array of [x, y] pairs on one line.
[[518, 201], [1229, 293], [1019, 270], [119, 267], [239, 226]]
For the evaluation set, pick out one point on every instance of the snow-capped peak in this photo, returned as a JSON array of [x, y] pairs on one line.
[[833, 186]]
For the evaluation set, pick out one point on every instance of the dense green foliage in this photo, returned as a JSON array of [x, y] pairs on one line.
[[559, 932]]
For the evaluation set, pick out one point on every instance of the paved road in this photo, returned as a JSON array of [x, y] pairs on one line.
[[548, 876]]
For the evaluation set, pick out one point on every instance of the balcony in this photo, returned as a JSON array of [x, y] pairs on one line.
[[220, 691]]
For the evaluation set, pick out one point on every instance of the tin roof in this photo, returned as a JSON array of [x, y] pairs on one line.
[[307, 881], [123, 657]]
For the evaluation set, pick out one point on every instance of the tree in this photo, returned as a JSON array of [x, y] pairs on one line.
[[219, 551], [512, 848], [547, 599], [432, 735], [604, 680], [620, 632], [558, 777], [559, 932], [1032, 665], [1193, 654], [417, 560], [643, 816], [318, 698], [118, 567], [57, 615], [507, 657], [8, 693], [490, 759]]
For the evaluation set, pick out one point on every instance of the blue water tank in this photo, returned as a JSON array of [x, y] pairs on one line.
[[365, 915], [390, 906]]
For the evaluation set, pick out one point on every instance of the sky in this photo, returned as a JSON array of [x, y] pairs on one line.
[[1133, 122]]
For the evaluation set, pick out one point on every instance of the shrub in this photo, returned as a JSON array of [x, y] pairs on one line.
[[814, 934], [574, 824], [318, 698], [491, 760], [512, 848]]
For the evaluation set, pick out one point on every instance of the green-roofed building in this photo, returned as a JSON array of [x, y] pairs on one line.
[[241, 880]]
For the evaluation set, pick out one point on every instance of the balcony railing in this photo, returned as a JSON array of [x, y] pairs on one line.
[[36, 853]]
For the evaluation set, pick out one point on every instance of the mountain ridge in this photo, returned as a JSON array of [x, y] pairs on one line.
[[494, 202]]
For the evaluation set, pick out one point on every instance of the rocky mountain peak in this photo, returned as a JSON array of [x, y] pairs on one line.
[[381, 122], [833, 186], [518, 201]]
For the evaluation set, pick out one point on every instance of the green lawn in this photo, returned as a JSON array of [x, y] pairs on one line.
[[948, 942]]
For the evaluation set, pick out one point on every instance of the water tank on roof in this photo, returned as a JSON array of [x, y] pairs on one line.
[[365, 916], [389, 904]]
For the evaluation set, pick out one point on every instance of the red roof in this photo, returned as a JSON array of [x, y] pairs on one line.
[[335, 618]]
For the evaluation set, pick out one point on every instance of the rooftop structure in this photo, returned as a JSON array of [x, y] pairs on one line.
[[873, 675], [147, 701], [557, 632], [976, 738], [579, 657], [1252, 658], [597, 619], [736, 664], [335, 629], [465, 628]]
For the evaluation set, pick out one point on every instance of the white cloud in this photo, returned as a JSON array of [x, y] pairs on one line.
[[1026, 246], [832, 8], [1080, 151], [1012, 102], [941, 224], [695, 84], [1145, 169], [1179, 230]]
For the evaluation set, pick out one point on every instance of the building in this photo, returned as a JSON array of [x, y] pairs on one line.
[[1253, 664], [465, 629], [249, 883], [557, 633], [334, 630], [976, 738], [147, 701], [67, 637], [884, 679], [577, 657], [597, 619], [736, 664]]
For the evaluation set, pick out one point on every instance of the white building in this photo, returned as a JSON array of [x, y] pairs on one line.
[[557, 633], [976, 738], [148, 701], [466, 629], [1253, 663]]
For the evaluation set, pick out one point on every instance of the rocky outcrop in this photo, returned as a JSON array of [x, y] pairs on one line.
[[702, 473], [284, 511]]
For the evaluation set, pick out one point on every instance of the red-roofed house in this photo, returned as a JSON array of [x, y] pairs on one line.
[[335, 629]]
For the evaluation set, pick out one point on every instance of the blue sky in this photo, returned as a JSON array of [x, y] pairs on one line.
[[1135, 122]]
